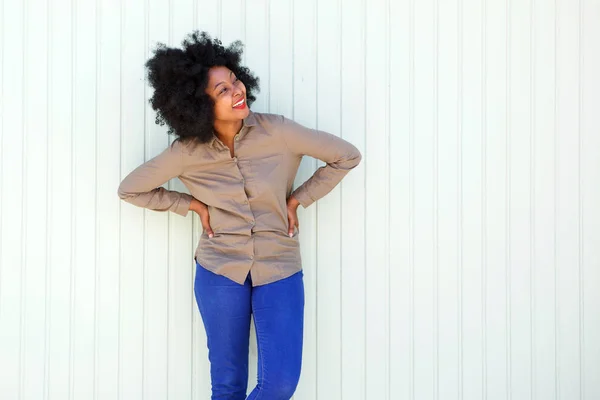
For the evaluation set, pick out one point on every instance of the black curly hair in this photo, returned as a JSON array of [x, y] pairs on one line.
[[179, 78]]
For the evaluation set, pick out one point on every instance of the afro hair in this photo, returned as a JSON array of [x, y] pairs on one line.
[[179, 78]]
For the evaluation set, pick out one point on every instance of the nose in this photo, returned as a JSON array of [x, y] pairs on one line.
[[237, 92], [237, 89]]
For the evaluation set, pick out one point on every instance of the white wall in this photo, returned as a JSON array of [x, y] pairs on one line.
[[461, 260]]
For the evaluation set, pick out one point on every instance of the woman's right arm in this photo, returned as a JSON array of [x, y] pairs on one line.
[[142, 187]]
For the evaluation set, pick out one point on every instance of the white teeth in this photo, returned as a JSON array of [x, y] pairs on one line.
[[239, 103]]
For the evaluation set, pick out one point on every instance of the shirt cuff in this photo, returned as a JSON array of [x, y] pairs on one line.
[[303, 198], [183, 206]]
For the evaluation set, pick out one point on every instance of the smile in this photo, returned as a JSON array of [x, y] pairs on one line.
[[240, 104]]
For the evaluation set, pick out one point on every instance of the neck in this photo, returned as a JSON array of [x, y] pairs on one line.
[[226, 130]]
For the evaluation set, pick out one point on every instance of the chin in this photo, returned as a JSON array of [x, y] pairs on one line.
[[242, 113]]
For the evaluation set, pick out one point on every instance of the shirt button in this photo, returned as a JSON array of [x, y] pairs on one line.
[[237, 138], [235, 159], [252, 257]]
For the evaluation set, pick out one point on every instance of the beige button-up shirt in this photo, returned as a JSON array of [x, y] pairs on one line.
[[246, 194]]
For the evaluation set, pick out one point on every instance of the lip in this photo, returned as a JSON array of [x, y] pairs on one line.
[[241, 106]]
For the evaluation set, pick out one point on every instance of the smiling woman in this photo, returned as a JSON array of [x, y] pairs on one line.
[[228, 94], [184, 81], [239, 167]]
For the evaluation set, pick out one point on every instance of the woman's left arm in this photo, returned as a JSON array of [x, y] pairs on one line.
[[339, 155]]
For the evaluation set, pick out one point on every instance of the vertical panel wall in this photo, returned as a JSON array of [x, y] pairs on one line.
[[460, 260]]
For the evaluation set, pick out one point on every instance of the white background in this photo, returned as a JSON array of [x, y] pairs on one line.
[[460, 260]]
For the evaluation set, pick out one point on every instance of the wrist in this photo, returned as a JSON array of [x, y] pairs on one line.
[[195, 205], [293, 202]]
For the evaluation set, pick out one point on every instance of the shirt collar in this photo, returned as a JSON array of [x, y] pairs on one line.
[[249, 121]]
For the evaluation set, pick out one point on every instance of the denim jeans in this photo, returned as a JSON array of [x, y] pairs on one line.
[[278, 311]]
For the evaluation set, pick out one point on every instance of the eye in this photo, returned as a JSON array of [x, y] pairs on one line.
[[223, 91]]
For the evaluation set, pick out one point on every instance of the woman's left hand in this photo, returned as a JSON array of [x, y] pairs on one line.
[[292, 206]]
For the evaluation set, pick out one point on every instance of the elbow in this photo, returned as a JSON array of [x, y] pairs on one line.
[[355, 157], [349, 160], [123, 193]]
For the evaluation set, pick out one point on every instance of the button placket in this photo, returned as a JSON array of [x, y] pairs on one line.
[[245, 201]]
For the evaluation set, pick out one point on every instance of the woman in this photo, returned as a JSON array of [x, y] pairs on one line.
[[239, 168]]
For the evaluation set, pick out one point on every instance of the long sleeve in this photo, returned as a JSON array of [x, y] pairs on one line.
[[142, 186], [339, 155]]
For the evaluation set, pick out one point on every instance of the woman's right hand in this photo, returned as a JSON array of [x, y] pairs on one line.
[[202, 210]]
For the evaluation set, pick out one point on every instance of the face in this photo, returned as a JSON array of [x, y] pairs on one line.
[[228, 94]]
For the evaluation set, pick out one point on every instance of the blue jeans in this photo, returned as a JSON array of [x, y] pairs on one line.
[[278, 309]]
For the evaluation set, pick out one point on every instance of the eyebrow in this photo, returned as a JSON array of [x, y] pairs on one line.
[[230, 73]]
